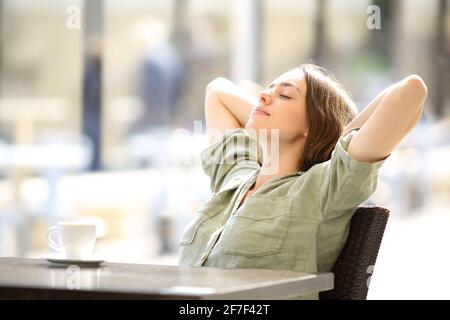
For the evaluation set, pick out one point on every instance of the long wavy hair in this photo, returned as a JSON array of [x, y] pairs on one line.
[[328, 109]]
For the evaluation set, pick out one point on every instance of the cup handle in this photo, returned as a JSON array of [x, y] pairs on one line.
[[52, 243]]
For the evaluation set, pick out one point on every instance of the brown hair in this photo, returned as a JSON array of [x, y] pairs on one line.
[[328, 109]]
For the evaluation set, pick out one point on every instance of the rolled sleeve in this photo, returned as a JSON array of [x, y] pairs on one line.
[[233, 156], [345, 182]]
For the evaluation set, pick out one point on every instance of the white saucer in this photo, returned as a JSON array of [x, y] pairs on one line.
[[92, 261]]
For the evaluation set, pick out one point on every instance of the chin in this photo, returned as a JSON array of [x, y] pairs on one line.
[[250, 125], [254, 124], [259, 129]]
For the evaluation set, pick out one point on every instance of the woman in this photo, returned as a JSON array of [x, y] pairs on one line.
[[291, 208]]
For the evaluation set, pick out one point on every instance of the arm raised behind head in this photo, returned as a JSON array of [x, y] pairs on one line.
[[387, 119], [227, 106]]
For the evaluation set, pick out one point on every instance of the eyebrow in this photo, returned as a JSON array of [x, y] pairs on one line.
[[285, 84]]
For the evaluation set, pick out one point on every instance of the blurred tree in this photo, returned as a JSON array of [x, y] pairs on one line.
[[1, 59], [442, 63], [319, 32], [92, 104], [1, 45], [92, 77], [382, 39]]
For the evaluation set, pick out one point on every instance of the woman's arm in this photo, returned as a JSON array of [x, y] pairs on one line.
[[227, 106], [365, 114], [387, 120]]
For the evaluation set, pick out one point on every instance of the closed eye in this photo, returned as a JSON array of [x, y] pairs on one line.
[[285, 97]]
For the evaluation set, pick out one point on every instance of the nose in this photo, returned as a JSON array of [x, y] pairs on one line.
[[264, 98]]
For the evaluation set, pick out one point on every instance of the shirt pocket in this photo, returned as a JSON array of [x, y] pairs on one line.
[[259, 227], [208, 210]]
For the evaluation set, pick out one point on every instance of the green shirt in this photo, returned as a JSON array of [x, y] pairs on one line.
[[297, 222]]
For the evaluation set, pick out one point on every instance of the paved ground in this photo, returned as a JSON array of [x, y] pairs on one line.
[[414, 259]]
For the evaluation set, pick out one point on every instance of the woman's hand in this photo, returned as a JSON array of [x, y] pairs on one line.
[[387, 120], [227, 106]]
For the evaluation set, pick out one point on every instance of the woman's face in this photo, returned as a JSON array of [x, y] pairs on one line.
[[282, 106]]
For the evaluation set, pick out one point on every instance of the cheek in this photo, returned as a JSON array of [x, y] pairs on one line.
[[294, 119], [303, 120]]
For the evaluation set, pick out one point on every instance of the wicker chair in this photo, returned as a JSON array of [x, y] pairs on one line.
[[355, 263]]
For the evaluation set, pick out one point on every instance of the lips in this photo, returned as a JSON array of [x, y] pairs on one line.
[[259, 110]]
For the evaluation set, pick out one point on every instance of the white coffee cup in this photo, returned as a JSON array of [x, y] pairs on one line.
[[75, 240]]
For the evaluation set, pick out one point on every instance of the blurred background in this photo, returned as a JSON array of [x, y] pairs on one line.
[[101, 116]]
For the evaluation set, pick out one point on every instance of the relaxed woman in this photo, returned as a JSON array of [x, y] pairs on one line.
[[289, 168]]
